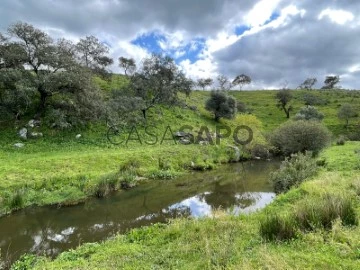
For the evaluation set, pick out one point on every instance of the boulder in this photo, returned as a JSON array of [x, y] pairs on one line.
[[184, 141], [36, 135], [19, 145], [33, 123], [23, 133]]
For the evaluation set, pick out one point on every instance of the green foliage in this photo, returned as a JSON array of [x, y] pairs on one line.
[[346, 112], [221, 105], [300, 136], [313, 100], [309, 113], [275, 227], [293, 172], [26, 262], [321, 214], [341, 140]]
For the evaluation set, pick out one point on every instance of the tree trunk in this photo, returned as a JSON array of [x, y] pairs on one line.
[[43, 97]]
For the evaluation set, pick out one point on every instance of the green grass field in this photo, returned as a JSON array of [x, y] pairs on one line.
[[234, 242]]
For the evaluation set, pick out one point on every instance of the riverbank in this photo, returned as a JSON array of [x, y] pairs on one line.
[[234, 242]]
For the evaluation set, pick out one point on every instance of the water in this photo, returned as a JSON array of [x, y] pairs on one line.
[[237, 188]]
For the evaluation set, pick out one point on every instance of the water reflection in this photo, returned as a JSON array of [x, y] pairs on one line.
[[49, 230]]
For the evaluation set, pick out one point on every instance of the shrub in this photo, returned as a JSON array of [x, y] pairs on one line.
[[293, 171], [341, 140], [309, 113], [260, 151], [312, 100], [300, 136], [274, 227], [312, 215]]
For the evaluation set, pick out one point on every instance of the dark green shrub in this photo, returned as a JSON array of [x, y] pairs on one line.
[[25, 262], [293, 171], [300, 136], [274, 227]]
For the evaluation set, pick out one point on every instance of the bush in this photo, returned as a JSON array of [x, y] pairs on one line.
[[300, 136], [260, 151], [312, 100], [293, 172], [309, 113], [274, 227], [312, 215], [341, 140]]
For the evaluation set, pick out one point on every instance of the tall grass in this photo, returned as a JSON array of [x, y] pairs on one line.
[[276, 227], [321, 214]]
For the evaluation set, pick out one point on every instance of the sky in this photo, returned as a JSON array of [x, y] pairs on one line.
[[276, 42]]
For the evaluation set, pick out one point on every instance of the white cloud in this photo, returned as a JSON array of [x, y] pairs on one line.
[[261, 12], [338, 16]]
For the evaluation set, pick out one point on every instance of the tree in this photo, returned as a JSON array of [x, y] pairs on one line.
[[241, 80], [309, 113], [346, 112], [158, 82], [283, 98], [92, 54], [128, 64], [203, 83], [331, 82], [221, 105], [51, 72], [308, 83], [300, 136], [224, 83]]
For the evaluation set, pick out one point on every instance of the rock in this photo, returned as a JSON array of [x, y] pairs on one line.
[[237, 155], [78, 136], [257, 158], [34, 123], [181, 134], [19, 145], [184, 141], [203, 143], [23, 133], [36, 135]]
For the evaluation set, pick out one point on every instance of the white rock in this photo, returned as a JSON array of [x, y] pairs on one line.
[[19, 145], [78, 136], [23, 133], [31, 123], [36, 135]]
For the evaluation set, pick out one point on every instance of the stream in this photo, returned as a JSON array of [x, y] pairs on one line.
[[236, 188]]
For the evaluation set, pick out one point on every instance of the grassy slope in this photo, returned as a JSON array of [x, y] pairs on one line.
[[263, 105], [234, 242]]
